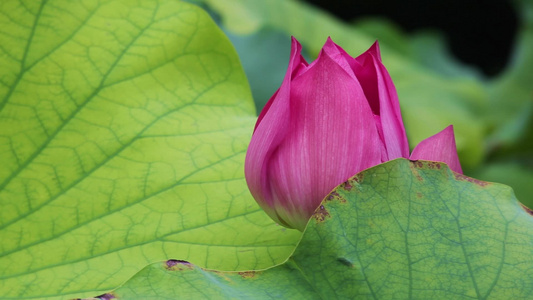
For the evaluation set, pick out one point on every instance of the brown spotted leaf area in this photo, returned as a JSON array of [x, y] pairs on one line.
[[402, 229]]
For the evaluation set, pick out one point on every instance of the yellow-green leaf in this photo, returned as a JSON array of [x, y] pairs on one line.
[[123, 129]]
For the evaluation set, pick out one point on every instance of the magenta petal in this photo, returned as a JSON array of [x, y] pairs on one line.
[[297, 64], [383, 100], [328, 121], [270, 129], [330, 137], [374, 50], [338, 55], [439, 147]]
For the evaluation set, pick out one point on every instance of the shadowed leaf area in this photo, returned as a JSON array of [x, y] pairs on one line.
[[402, 230]]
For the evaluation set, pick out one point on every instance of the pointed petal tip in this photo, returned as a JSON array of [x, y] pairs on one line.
[[439, 147], [332, 47], [295, 44], [374, 50], [371, 55], [329, 47], [447, 133]]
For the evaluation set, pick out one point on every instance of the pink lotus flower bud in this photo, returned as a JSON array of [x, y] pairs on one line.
[[328, 121]]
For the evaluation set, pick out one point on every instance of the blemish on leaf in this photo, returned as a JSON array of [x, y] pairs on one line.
[[178, 265], [419, 194], [345, 262], [347, 186], [106, 296], [320, 214], [247, 274], [332, 195], [417, 163], [462, 177], [359, 177], [335, 196], [527, 209], [418, 177], [433, 165], [222, 275]]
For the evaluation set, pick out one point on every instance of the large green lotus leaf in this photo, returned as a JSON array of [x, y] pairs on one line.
[[123, 130], [516, 175], [400, 230], [430, 100], [175, 279]]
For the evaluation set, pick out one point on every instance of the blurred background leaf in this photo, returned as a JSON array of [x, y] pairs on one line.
[[491, 113]]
